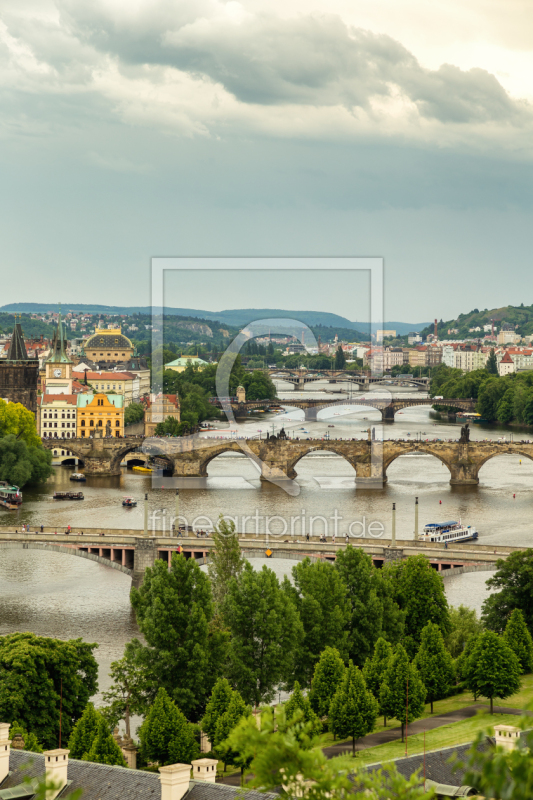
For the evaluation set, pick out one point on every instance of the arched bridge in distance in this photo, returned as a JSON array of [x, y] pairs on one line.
[[131, 552], [300, 377]]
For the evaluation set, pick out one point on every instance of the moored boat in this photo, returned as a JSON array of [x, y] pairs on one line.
[[10, 496], [141, 469], [68, 496], [448, 532], [78, 476], [129, 502]]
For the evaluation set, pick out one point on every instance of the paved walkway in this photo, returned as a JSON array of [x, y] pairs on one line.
[[394, 734]]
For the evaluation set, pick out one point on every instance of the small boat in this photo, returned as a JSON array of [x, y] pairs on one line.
[[68, 496], [78, 476], [449, 532], [331, 426], [10, 496], [142, 469], [129, 502]]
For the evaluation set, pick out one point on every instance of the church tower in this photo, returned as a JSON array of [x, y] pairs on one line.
[[19, 374], [58, 378]]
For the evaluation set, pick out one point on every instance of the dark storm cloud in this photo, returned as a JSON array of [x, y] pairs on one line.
[[306, 60]]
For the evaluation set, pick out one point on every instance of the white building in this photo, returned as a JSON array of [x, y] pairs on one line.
[[506, 365], [413, 338]]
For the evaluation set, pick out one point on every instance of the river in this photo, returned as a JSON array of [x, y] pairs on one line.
[[54, 595]]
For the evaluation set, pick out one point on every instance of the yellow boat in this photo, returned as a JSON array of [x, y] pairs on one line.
[[142, 469]]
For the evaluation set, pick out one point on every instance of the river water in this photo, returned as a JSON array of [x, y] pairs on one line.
[[54, 595]]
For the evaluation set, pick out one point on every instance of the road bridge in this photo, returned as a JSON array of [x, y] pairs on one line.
[[131, 552], [300, 377]]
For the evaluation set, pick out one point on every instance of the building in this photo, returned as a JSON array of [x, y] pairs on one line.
[[19, 374], [100, 410], [58, 366], [125, 383], [380, 335], [413, 338], [180, 364], [425, 356], [467, 357], [159, 408], [136, 365], [506, 365], [241, 394], [57, 416], [508, 337], [108, 345]]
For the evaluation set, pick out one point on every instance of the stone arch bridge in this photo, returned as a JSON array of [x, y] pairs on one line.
[[300, 377]]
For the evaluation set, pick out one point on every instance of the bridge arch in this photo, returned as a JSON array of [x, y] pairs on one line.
[[65, 550], [422, 448], [507, 451], [225, 447], [326, 446]]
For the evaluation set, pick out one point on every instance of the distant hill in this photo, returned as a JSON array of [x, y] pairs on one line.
[[520, 316], [233, 317]]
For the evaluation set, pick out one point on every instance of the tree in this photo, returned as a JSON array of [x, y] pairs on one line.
[[104, 749], [174, 609], [340, 358], [165, 734], [236, 710], [133, 413], [492, 365], [402, 693], [21, 464], [375, 669], [320, 598], [514, 579], [464, 623], [519, 640], [498, 773], [354, 708], [226, 560], [373, 608], [84, 732], [278, 758], [419, 591], [299, 705], [329, 671], [127, 694], [17, 421], [266, 632], [493, 669], [31, 743], [434, 664], [216, 706], [34, 671]]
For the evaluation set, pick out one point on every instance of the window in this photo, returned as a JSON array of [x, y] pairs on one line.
[[91, 423], [117, 423], [99, 423], [83, 423], [83, 433], [55, 424]]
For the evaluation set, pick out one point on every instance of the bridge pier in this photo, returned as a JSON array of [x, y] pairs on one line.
[[387, 414], [311, 414], [144, 556]]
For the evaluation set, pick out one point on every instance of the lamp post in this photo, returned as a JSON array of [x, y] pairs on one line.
[[146, 514], [393, 537], [416, 518], [177, 523]]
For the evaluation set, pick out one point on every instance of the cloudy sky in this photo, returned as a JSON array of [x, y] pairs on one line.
[[394, 128]]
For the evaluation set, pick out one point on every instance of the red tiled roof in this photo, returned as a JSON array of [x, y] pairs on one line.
[[65, 398], [507, 359]]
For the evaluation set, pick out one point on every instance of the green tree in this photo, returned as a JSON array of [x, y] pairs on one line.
[[33, 672], [464, 623], [104, 749], [514, 579], [489, 397], [31, 743], [236, 710], [133, 413], [493, 669], [266, 632], [84, 732], [434, 664], [354, 708], [402, 693], [320, 598], [375, 669], [329, 671], [165, 734], [340, 358], [419, 591], [299, 705], [519, 640], [492, 365], [17, 421], [128, 691], [373, 608], [226, 560], [21, 464], [216, 706], [174, 609]]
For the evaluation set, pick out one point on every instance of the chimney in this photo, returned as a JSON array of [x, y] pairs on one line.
[[5, 748], [204, 769], [56, 768], [175, 781], [506, 736]]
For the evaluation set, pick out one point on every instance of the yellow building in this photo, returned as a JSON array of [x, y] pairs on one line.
[[108, 344], [104, 411], [181, 363], [158, 409]]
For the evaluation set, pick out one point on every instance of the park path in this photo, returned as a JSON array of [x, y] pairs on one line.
[[394, 734]]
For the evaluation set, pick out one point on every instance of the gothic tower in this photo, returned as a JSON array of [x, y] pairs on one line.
[[19, 374]]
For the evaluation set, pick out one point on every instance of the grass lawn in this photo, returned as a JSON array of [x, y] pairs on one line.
[[446, 736]]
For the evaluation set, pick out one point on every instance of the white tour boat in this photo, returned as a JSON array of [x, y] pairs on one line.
[[450, 531]]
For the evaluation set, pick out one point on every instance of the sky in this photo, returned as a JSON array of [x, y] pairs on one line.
[[392, 128]]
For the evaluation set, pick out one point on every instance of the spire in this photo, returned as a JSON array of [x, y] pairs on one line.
[[58, 350], [17, 348]]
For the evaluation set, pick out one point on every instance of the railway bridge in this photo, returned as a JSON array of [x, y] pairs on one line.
[[131, 552], [300, 377]]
